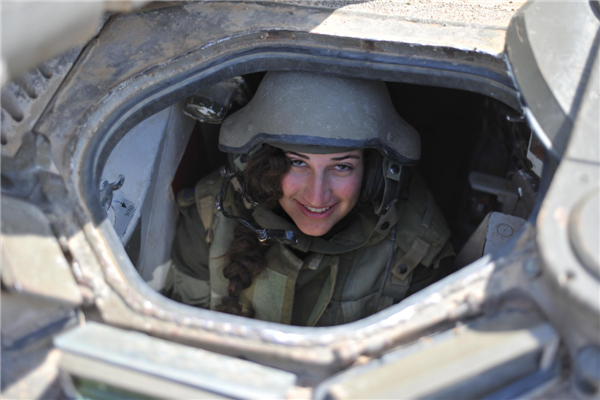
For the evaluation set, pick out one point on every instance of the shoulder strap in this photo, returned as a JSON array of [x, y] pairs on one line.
[[409, 261], [422, 229], [204, 197]]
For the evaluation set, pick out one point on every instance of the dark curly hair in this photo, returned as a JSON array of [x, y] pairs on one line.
[[246, 260]]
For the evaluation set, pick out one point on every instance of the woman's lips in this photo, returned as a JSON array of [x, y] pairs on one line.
[[316, 215]]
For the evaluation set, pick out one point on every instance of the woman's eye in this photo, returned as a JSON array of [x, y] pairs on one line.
[[298, 163], [344, 167]]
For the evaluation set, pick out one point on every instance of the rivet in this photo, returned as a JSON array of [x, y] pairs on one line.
[[244, 158], [504, 230], [385, 225], [394, 169], [402, 268]]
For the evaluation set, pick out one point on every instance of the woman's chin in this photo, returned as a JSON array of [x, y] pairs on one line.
[[314, 229]]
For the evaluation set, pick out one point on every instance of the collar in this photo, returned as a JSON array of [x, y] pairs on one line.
[[359, 231]]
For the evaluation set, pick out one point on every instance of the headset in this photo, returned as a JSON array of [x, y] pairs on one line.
[[384, 182], [264, 235]]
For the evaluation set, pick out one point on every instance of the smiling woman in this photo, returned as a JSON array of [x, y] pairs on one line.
[[321, 189], [327, 223]]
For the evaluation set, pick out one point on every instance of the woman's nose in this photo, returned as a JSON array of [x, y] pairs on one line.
[[317, 189]]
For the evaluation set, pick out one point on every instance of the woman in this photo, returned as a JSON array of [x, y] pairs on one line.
[[324, 223]]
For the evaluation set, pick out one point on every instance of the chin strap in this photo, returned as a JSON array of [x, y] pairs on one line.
[[280, 235]]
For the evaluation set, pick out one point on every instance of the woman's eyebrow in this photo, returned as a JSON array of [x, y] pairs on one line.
[[345, 157], [298, 155]]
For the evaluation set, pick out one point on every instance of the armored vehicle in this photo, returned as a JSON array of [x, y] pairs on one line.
[[97, 141]]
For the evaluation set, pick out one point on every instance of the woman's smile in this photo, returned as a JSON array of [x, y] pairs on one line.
[[316, 212], [321, 189]]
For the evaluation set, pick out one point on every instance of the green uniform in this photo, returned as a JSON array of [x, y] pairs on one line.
[[313, 283]]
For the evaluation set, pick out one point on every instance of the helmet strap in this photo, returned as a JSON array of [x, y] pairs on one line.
[[263, 235], [392, 172]]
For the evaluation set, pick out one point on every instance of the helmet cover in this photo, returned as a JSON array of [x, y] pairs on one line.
[[312, 113]]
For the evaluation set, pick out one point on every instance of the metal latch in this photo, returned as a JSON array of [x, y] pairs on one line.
[[107, 190], [118, 209]]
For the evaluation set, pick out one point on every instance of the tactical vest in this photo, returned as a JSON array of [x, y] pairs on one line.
[[321, 289]]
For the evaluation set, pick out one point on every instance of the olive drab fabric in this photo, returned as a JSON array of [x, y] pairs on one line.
[[301, 286]]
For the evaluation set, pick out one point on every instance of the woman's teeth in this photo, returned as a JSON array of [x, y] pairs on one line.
[[317, 210]]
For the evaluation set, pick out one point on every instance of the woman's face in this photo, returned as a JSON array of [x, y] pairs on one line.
[[321, 189]]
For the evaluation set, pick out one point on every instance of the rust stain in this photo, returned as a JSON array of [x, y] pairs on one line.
[[370, 46]]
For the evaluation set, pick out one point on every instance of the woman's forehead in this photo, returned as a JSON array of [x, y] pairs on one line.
[[352, 154]]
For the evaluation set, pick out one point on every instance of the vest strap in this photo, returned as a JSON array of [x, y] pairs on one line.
[[206, 209], [410, 259]]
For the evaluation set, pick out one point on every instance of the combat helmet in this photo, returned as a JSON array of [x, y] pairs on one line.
[[317, 114], [320, 114]]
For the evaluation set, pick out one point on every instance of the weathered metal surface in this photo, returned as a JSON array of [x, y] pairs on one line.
[[164, 369], [572, 282], [496, 13], [59, 27], [101, 109], [33, 261], [473, 248], [470, 361], [27, 319], [31, 172], [123, 210], [501, 229], [553, 48], [483, 39], [584, 234], [145, 48], [496, 230], [31, 374], [29, 363], [25, 98], [317, 353], [147, 58], [140, 64], [568, 254]]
